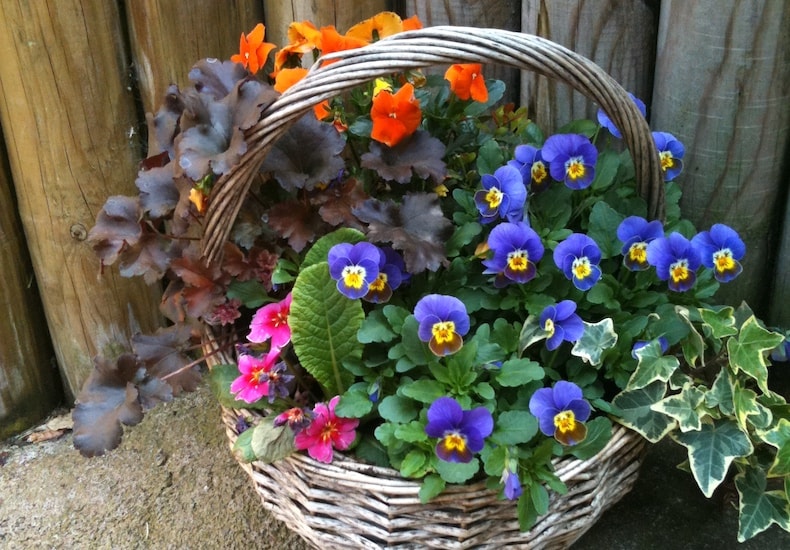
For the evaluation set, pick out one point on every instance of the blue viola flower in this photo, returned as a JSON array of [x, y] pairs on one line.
[[606, 122], [443, 323], [529, 162], [676, 261], [512, 485], [503, 195], [721, 249], [561, 323], [392, 273], [354, 267], [461, 433], [639, 344], [571, 159], [671, 152], [578, 257], [561, 411], [516, 250], [635, 233]]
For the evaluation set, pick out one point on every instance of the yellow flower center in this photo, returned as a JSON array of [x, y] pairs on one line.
[[443, 331], [518, 260], [380, 283], [548, 326], [539, 172], [667, 160], [724, 261], [581, 268], [638, 253], [575, 168], [679, 271], [565, 421], [494, 197], [455, 442], [353, 276], [327, 431]]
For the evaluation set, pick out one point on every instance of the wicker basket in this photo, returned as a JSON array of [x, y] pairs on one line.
[[348, 504]]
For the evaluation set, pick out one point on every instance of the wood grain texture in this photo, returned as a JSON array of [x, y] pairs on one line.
[[723, 88], [503, 14], [30, 385], [618, 35], [66, 108], [167, 38]]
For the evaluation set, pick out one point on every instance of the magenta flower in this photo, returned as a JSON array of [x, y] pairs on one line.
[[606, 122], [326, 432], [392, 273], [534, 172], [443, 323], [635, 234], [561, 324], [676, 261], [561, 412], [271, 322], [461, 433], [571, 159], [578, 257], [671, 152], [253, 384], [354, 267], [516, 250], [503, 195], [721, 249]]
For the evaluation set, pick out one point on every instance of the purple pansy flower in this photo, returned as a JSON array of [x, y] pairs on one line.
[[676, 261], [516, 249], [443, 323], [635, 233], [571, 159], [721, 249], [503, 195], [639, 344], [529, 162], [606, 122], [578, 257], [392, 272], [671, 152], [461, 433], [561, 323], [354, 267], [512, 485], [561, 412]]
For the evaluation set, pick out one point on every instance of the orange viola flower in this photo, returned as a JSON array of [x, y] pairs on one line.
[[395, 116], [253, 51], [303, 38], [379, 26], [333, 41], [466, 80], [412, 23]]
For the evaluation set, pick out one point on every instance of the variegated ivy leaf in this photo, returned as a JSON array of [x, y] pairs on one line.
[[779, 437], [720, 393], [652, 367], [759, 508], [683, 407], [721, 323], [748, 352], [712, 449], [692, 345], [597, 338], [531, 332], [635, 411], [748, 409]]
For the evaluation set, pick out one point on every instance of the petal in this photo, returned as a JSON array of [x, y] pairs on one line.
[[542, 404], [581, 409], [571, 437], [564, 392], [481, 419], [444, 414]]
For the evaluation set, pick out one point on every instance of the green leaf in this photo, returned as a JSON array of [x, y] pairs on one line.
[[413, 432], [242, 448], [779, 437], [758, 508], [721, 323], [456, 472], [597, 338], [603, 293], [354, 404], [489, 157], [514, 427], [375, 328], [432, 486], [693, 345], [250, 293], [652, 366], [395, 408], [748, 353], [748, 409], [517, 372], [324, 326], [599, 432], [320, 249], [424, 391], [636, 411], [220, 378], [712, 449], [603, 226], [720, 393], [683, 407], [396, 316], [414, 463], [270, 442], [463, 236], [540, 498], [496, 89]]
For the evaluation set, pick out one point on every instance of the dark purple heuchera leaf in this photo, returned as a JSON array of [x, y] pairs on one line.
[[216, 78], [417, 228], [165, 353], [422, 154], [163, 126], [295, 221], [149, 257], [158, 192], [257, 264], [117, 227], [337, 202], [307, 154], [204, 286]]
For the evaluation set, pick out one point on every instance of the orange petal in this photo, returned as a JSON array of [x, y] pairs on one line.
[[304, 33], [412, 23], [379, 26], [333, 41], [288, 77]]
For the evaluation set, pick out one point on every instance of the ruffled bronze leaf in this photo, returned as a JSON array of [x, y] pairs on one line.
[[337, 202], [295, 221], [422, 155], [164, 355], [117, 227]]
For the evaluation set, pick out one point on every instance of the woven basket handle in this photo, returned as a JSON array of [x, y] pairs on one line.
[[423, 48]]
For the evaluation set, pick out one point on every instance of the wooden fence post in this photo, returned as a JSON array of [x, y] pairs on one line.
[[66, 109], [722, 86], [30, 385], [618, 35]]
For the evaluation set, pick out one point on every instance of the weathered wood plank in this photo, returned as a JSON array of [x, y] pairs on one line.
[[723, 88], [618, 35], [66, 108], [30, 385]]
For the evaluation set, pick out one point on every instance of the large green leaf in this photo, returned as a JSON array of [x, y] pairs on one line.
[[324, 326], [720, 393], [517, 372], [652, 367], [683, 407], [748, 353], [693, 345], [779, 437], [759, 508], [597, 338], [712, 449], [270, 442], [721, 323], [636, 412], [748, 409]]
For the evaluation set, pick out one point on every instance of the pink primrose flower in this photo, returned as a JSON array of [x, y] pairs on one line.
[[271, 321], [326, 432], [253, 383]]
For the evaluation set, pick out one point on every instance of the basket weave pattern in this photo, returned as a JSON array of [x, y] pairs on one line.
[[348, 504]]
